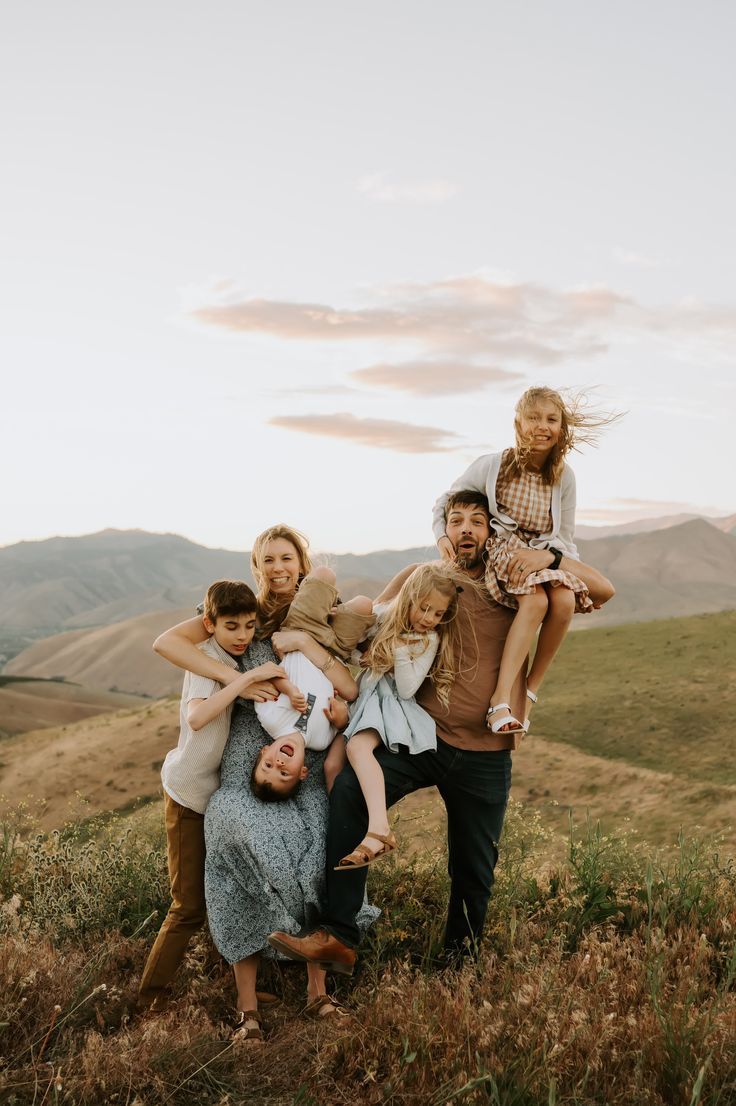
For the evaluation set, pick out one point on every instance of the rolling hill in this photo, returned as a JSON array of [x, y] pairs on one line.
[[31, 704], [117, 657], [683, 570], [726, 523]]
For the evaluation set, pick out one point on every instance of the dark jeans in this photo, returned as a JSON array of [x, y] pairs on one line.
[[474, 787]]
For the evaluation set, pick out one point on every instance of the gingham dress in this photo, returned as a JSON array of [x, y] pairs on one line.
[[528, 500]]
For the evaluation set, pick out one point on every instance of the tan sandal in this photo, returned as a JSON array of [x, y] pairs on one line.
[[324, 1006], [363, 856], [248, 1034]]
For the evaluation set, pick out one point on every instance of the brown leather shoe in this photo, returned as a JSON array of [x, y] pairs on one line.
[[319, 947]]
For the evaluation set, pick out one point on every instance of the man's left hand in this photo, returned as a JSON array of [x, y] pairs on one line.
[[525, 561]]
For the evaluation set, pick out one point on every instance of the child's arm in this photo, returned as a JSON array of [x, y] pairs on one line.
[[179, 646], [393, 587], [296, 697], [202, 711], [411, 669], [568, 498], [334, 761], [475, 478], [289, 641]]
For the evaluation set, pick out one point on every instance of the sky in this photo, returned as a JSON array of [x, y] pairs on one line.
[[296, 262]]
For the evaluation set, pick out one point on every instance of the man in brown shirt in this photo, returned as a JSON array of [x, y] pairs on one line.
[[471, 770]]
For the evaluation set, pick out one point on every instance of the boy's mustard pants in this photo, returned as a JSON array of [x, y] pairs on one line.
[[185, 852]]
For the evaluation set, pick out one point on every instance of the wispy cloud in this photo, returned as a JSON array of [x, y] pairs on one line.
[[433, 378], [378, 188], [469, 319], [402, 437]]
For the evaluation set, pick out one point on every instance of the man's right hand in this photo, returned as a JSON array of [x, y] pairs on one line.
[[446, 548]]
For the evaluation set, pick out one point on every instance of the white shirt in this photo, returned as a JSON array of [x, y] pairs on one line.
[[191, 772]]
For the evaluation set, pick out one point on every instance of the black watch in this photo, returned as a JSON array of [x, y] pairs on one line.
[[558, 557]]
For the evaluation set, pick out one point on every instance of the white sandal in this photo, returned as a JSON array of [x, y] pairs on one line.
[[533, 699], [495, 727]]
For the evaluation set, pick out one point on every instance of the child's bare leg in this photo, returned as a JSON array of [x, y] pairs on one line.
[[551, 636], [245, 980], [372, 784], [316, 988], [532, 609], [359, 604], [334, 761], [322, 573]]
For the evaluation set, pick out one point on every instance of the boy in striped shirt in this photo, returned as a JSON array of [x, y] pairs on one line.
[[191, 774]]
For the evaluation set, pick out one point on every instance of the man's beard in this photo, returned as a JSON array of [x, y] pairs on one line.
[[468, 559]]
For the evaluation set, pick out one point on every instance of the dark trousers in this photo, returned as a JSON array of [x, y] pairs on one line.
[[474, 787]]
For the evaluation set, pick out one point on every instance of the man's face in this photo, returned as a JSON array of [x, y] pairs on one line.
[[468, 528]]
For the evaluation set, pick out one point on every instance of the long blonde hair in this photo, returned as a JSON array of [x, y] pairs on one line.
[[580, 424], [272, 609], [396, 626]]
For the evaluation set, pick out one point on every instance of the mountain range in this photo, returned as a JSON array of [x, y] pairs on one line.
[[96, 602]]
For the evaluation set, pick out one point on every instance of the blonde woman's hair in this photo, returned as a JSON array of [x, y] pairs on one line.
[[272, 609], [396, 626], [580, 424]]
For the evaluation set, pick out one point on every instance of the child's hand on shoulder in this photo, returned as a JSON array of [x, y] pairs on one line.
[[446, 548], [336, 712], [267, 671]]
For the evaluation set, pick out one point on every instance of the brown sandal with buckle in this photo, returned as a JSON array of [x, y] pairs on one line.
[[248, 1034], [363, 856], [324, 1006]]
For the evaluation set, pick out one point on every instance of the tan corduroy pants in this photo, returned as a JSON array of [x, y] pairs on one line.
[[185, 852]]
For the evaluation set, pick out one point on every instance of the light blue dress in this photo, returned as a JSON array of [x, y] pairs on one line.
[[386, 703]]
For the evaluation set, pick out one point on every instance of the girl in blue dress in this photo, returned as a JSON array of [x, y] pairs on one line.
[[415, 640]]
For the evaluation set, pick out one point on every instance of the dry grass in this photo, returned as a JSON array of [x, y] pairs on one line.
[[605, 978]]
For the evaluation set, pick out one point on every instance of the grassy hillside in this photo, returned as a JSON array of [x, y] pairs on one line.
[[655, 695], [607, 973], [606, 978]]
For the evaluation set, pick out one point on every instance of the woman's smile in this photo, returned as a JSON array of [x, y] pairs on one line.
[[281, 566]]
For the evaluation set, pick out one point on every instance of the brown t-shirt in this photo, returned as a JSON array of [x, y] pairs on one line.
[[483, 628]]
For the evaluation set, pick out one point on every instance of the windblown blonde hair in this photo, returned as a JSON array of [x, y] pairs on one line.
[[396, 626], [272, 609], [580, 424]]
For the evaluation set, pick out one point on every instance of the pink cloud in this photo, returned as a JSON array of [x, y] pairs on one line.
[[402, 437], [473, 317], [432, 378]]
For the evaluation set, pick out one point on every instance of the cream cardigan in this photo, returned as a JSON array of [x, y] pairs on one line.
[[481, 477]]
